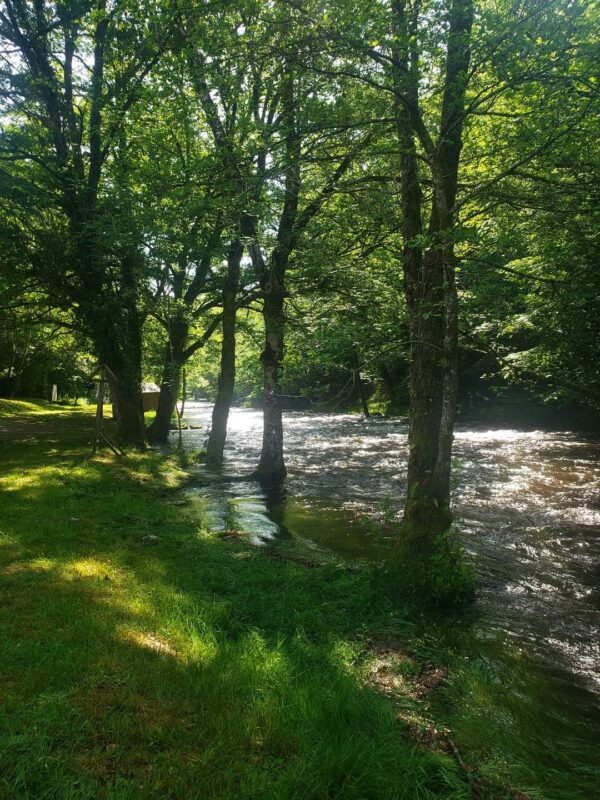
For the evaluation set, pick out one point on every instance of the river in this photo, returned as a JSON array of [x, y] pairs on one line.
[[527, 505]]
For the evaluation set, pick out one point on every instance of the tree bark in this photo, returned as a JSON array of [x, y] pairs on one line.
[[220, 414], [116, 331], [79, 148], [271, 467], [128, 410], [364, 400], [175, 358], [271, 274], [429, 275], [391, 388], [427, 508], [124, 379]]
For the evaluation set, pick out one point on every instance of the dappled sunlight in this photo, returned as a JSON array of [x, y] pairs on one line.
[[525, 500], [126, 602], [101, 580], [34, 565], [18, 481], [267, 660], [6, 540], [146, 469], [375, 227], [148, 641], [344, 654], [44, 480], [37, 407], [196, 653], [91, 567], [199, 648]]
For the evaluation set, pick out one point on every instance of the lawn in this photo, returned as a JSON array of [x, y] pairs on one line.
[[26, 408], [198, 667]]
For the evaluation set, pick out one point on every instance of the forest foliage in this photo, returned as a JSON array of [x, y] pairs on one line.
[[132, 137], [328, 204]]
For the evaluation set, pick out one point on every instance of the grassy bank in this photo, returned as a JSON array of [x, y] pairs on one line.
[[194, 668], [200, 667], [16, 409]]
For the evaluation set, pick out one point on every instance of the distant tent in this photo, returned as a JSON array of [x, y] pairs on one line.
[[150, 395]]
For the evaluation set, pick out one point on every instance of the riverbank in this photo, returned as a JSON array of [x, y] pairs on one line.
[[199, 666], [186, 666]]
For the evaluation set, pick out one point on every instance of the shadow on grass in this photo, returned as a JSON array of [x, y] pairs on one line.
[[194, 669]]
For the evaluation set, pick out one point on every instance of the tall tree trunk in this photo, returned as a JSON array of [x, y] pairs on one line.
[[271, 276], [175, 358], [443, 468], [445, 177], [429, 277], [128, 332], [271, 467], [420, 521], [114, 322], [124, 379], [220, 414], [362, 392], [390, 388], [427, 510], [127, 401], [117, 336]]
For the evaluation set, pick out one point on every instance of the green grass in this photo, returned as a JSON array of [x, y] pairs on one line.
[[10, 408], [197, 668], [204, 668]]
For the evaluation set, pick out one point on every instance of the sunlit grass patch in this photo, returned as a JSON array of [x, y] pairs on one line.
[[32, 566], [177, 670], [36, 407], [149, 641]]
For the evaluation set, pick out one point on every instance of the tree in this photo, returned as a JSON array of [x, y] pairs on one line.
[[230, 106], [429, 271], [448, 69], [72, 73]]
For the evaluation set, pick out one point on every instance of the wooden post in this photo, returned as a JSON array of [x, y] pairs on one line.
[[100, 435]]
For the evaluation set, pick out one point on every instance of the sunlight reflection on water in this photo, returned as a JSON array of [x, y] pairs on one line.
[[527, 505]]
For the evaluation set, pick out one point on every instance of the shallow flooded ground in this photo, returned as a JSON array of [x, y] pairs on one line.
[[527, 506]]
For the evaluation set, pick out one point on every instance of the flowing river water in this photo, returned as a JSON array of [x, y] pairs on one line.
[[527, 505]]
